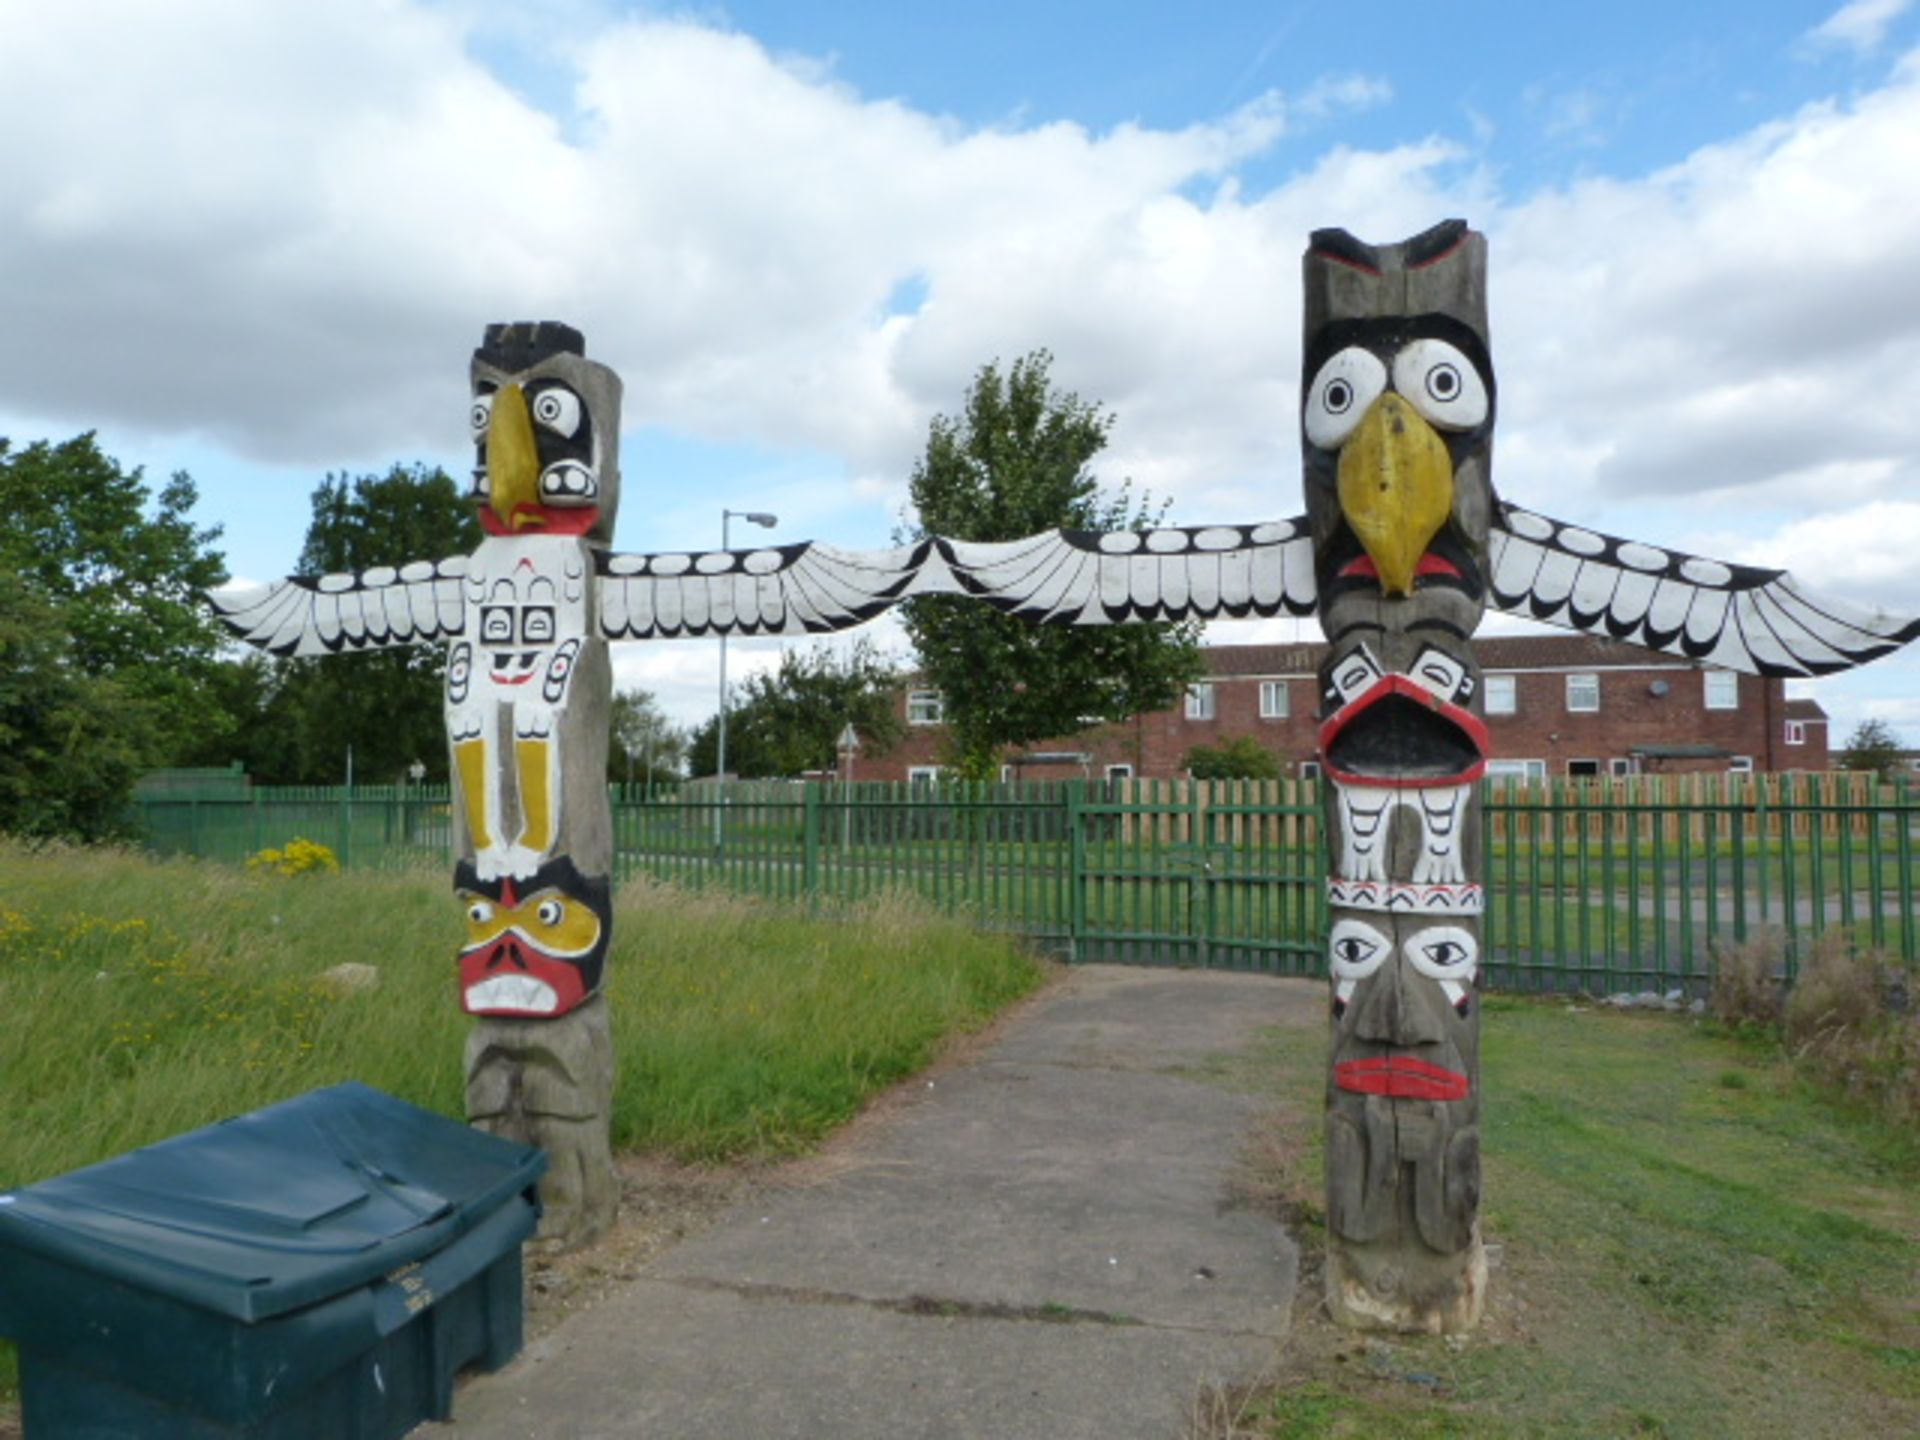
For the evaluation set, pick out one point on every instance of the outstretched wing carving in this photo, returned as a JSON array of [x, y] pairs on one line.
[[806, 589], [1736, 616], [1082, 577], [374, 609]]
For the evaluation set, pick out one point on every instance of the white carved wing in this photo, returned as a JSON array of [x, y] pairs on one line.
[[1083, 577], [1736, 616], [375, 609], [806, 589]]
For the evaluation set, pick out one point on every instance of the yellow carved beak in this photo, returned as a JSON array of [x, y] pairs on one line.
[[513, 462], [1396, 489]]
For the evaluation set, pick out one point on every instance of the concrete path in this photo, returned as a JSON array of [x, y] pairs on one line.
[[1042, 1243]]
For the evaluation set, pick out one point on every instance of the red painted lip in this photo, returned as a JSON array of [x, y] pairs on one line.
[[540, 520], [1361, 567], [500, 679], [1401, 1077]]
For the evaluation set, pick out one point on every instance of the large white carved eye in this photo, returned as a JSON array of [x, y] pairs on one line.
[[1356, 949], [1346, 385], [557, 410], [479, 912], [1443, 952], [481, 415], [1441, 383]]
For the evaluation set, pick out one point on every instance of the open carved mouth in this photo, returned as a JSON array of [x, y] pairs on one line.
[[1401, 1077], [1399, 733]]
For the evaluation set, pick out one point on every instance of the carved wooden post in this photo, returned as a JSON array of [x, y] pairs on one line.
[[1397, 411], [529, 692]]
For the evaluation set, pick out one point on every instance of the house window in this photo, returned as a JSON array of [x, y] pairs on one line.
[[1200, 701], [1500, 695], [1119, 772], [1583, 693], [925, 707], [1723, 689], [1796, 732], [1583, 767], [1273, 700], [1529, 771], [1620, 765], [923, 774], [1741, 765], [1309, 769]]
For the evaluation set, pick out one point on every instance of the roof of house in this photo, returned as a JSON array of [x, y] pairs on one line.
[[1495, 652], [1806, 710]]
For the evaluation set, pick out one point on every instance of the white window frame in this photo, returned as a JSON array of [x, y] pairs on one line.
[[1120, 772], [1594, 773], [926, 707], [1582, 679], [1622, 765], [1497, 687], [1309, 769], [1740, 765], [1200, 701], [1530, 772], [1275, 702], [1727, 685], [924, 774], [1796, 732]]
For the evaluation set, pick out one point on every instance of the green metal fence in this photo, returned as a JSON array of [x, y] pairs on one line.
[[1599, 886]]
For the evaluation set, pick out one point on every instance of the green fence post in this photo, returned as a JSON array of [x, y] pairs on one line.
[[193, 824], [346, 827], [1076, 907], [810, 841]]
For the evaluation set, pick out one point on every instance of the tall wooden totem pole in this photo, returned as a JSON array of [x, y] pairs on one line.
[[1397, 409]]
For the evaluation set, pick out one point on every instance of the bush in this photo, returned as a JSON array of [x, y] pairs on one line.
[[1241, 758], [299, 857], [1749, 980]]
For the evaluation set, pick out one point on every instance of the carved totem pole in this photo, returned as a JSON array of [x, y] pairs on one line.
[[1403, 547], [1397, 411]]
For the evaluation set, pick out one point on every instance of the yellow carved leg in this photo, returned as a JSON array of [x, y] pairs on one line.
[[470, 760], [534, 759]]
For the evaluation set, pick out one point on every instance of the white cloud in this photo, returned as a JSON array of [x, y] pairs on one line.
[[217, 236], [1860, 26]]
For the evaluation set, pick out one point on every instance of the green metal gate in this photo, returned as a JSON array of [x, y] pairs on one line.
[[1220, 876]]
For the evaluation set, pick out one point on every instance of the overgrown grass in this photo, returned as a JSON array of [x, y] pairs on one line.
[[146, 998], [1692, 1241]]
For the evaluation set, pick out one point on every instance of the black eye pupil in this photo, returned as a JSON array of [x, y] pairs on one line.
[[1443, 382], [1339, 396]]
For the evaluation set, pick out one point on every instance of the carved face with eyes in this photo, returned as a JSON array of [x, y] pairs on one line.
[[534, 947], [1396, 417], [545, 426], [1403, 1008]]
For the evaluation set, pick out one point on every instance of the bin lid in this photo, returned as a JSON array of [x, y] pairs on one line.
[[281, 1208]]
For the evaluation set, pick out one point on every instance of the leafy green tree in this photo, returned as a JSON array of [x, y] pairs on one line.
[[1239, 758], [72, 742], [120, 570], [385, 705], [1873, 746], [647, 747], [788, 721], [1014, 463]]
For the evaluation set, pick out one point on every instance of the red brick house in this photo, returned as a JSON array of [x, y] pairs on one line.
[[1556, 705]]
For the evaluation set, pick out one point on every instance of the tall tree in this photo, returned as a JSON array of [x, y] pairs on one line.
[[1014, 463], [646, 745], [385, 705], [119, 570], [789, 720]]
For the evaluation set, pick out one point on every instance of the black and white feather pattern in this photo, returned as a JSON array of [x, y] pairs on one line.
[[1080, 577], [1735, 616], [806, 589], [375, 609]]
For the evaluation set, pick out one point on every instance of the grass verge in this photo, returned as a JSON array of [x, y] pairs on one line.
[[1688, 1240], [144, 998]]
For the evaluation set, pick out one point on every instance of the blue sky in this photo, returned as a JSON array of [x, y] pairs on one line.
[[257, 240]]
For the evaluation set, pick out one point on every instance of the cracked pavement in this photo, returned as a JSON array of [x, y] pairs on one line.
[[1041, 1241]]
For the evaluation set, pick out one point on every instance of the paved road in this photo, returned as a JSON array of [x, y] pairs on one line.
[[1041, 1244]]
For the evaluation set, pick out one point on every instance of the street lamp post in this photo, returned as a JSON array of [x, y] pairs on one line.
[[753, 517]]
